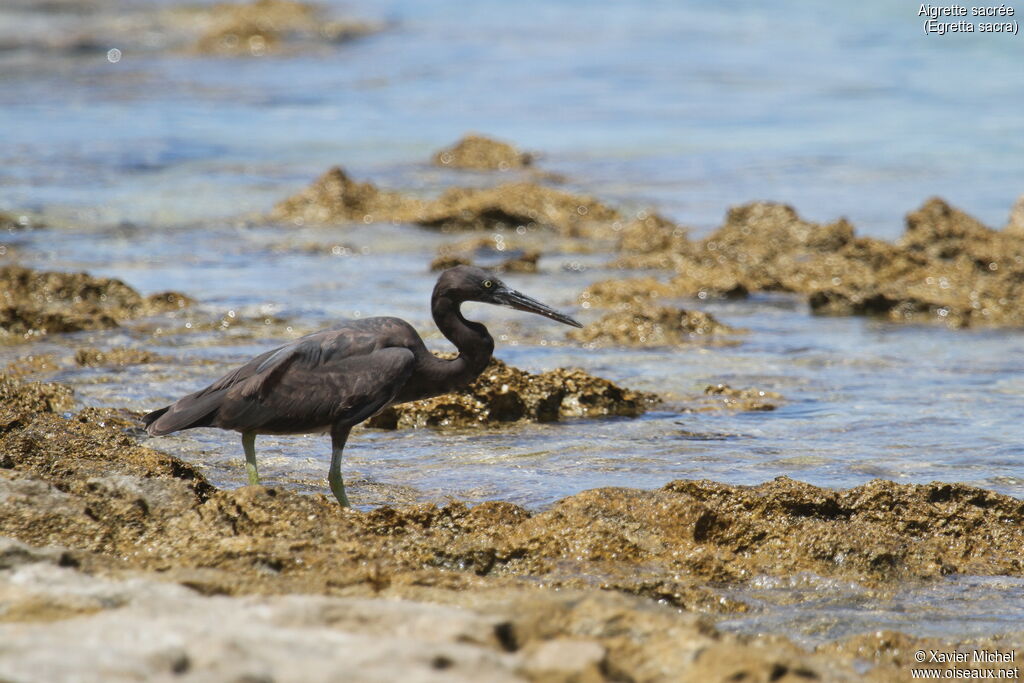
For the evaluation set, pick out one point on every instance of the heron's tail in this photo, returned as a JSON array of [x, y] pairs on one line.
[[191, 411], [150, 418]]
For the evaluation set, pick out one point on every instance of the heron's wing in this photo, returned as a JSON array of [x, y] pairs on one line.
[[306, 384], [315, 383]]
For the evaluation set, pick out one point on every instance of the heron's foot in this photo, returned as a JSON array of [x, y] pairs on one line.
[[249, 446], [254, 476], [338, 489]]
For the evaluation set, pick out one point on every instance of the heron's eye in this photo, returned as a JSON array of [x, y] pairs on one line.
[[488, 284]]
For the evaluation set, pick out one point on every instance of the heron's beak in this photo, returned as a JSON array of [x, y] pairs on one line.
[[521, 302]]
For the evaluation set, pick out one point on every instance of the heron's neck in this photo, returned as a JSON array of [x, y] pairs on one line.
[[472, 339]]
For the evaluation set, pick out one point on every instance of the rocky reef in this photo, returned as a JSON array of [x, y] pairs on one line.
[[947, 267], [335, 198], [633, 569]]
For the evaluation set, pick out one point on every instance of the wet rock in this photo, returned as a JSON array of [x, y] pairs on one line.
[[335, 198], [39, 302], [518, 205], [117, 357], [265, 27], [652, 325], [479, 153], [506, 394]]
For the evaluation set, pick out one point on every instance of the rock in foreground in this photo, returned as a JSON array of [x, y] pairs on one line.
[[630, 568]]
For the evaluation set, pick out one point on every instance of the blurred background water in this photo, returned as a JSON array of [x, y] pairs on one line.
[[143, 163], [840, 109]]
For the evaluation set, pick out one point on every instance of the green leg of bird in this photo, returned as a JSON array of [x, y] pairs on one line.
[[338, 437], [249, 445]]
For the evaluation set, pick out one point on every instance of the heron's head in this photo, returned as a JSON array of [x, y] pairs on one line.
[[469, 283]]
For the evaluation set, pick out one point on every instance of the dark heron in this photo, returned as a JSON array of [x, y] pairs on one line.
[[332, 380]]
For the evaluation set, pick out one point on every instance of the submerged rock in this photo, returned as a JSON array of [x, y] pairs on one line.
[[506, 394], [652, 325], [479, 153], [493, 253], [725, 397], [39, 302]]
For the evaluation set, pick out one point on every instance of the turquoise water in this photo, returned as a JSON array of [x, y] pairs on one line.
[[144, 167]]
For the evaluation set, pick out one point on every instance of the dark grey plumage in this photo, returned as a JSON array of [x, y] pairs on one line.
[[334, 379]]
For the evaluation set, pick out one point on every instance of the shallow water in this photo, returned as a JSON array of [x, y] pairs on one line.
[[144, 164]]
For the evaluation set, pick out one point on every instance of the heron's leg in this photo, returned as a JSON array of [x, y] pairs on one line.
[[339, 434], [249, 445]]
